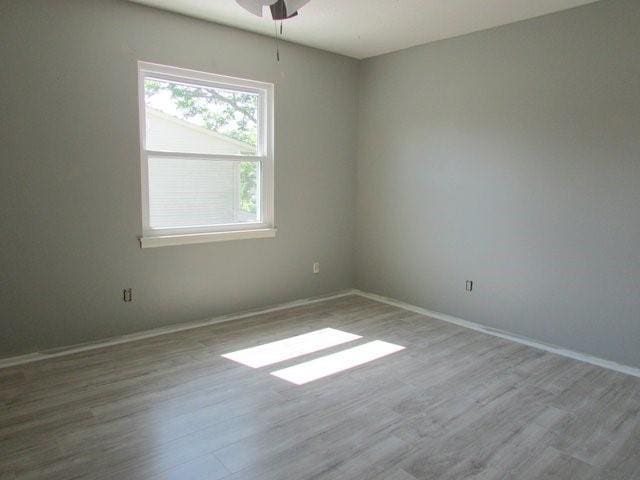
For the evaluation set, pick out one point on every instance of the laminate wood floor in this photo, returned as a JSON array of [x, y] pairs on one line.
[[454, 404]]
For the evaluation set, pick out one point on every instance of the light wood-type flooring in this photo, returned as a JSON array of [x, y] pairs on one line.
[[454, 404]]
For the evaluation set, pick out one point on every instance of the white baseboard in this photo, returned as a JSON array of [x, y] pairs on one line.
[[60, 352], [583, 357]]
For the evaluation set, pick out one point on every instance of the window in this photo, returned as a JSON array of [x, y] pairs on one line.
[[207, 157]]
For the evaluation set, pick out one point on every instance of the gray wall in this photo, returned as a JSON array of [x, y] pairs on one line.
[[510, 157], [70, 175]]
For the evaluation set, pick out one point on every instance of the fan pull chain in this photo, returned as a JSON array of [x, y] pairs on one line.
[[275, 24], [277, 38]]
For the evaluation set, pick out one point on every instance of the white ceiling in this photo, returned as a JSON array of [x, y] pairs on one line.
[[365, 28]]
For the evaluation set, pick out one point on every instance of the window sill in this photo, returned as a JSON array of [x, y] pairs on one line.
[[195, 238]]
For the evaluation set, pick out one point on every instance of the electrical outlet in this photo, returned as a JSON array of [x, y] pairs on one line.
[[127, 295], [469, 286], [316, 268]]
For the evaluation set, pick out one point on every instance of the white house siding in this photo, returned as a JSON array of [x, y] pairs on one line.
[[187, 192], [191, 192], [167, 133]]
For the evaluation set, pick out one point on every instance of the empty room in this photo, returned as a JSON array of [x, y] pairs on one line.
[[320, 239]]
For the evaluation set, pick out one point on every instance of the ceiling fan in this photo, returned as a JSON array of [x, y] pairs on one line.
[[280, 9]]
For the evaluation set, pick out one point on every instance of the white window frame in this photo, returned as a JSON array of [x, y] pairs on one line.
[[154, 237]]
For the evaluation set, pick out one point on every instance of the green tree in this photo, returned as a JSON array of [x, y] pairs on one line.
[[229, 113]]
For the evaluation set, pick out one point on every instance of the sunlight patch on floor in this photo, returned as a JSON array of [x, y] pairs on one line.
[[289, 348], [337, 362]]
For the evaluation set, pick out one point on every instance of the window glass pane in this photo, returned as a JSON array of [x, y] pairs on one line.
[[192, 119], [186, 192]]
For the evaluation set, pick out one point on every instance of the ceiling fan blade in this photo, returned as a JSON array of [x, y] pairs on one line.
[[295, 5], [255, 6]]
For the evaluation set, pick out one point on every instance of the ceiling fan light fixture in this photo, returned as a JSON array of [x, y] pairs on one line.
[[280, 9]]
